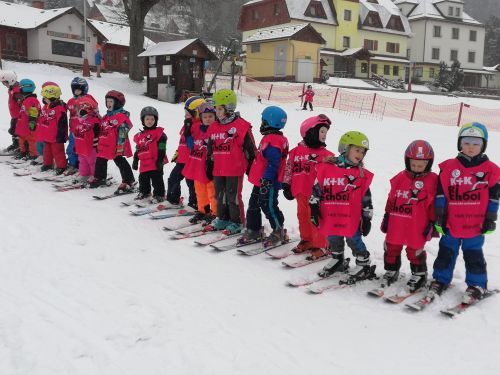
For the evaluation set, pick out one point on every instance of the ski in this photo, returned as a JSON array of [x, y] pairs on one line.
[[213, 237], [177, 225], [76, 185], [314, 277], [155, 208], [337, 283], [22, 173], [300, 260], [113, 195], [181, 236], [425, 301], [262, 248], [401, 296], [462, 307], [380, 290], [236, 245], [169, 214]]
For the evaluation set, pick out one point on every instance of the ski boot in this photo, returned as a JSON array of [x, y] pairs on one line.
[[435, 289], [45, 168], [250, 236], [37, 160], [277, 236], [302, 246], [337, 264], [232, 228], [70, 170], [60, 171], [207, 220], [317, 253], [473, 294], [362, 271], [124, 187], [157, 199], [389, 278], [93, 182], [417, 281], [141, 196], [197, 218], [21, 155], [216, 225]]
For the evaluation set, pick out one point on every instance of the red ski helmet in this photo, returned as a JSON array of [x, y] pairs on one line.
[[117, 97], [419, 150], [87, 104], [312, 122]]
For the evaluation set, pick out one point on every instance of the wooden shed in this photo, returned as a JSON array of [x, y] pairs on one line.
[[176, 67]]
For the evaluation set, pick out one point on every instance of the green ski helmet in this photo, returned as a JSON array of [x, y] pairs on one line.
[[353, 138], [227, 98]]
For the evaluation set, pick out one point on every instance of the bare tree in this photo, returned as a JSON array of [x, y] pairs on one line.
[[136, 11]]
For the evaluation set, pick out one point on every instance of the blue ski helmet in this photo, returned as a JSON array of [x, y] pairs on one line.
[[274, 117], [473, 129], [79, 83], [27, 86]]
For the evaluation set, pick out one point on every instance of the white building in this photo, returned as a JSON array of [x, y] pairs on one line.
[[52, 35], [442, 31]]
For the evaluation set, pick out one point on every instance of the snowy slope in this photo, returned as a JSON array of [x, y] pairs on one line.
[[87, 289]]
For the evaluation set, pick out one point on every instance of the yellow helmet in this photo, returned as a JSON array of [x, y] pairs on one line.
[[191, 105], [51, 90]]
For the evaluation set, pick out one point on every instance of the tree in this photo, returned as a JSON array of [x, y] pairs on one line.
[[492, 42], [455, 77], [136, 11]]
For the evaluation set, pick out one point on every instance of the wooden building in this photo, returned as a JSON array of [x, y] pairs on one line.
[[176, 66]]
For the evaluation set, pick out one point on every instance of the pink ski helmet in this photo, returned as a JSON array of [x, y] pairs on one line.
[[312, 122]]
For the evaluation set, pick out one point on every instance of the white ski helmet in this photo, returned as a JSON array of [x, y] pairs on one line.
[[8, 76]]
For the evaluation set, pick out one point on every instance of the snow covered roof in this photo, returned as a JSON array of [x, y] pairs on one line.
[[495, 68], [428, 9], [297, 10], [26, 17], [385, 9], [277, 32], [117, 34], [112, 14], [167, 48]]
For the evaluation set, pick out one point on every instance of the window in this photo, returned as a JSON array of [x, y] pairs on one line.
[[12, 42], [457, 12], [255, 48], [371, 45], [364, 68], [277, 10], [432, 72], [374, 68], [255, 14], [395, 71], [450, 11], [347, 15], [472, 35], [437, 31], [315, 9], [408, 52], [454, 55], [472, 57], [67, 48], [392, 47], [419, 72], [435, 53], [125, 59], [387, 70], [346, 42], [455, 33], [312, 11]]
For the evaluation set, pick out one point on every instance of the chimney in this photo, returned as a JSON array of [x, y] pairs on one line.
[[40, 4]]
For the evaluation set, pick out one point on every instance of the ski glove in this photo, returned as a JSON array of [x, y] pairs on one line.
[[430, 232], [210, 169], [135, 164], [366, 225], [315, 214], [385, 223], [265, 186], [489, 226], [287, 192], [187, 127]]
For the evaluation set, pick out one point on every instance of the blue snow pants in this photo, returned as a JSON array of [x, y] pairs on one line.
[[70, 151]]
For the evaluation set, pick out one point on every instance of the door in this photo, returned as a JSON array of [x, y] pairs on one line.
[[280, 57], [305, 70]]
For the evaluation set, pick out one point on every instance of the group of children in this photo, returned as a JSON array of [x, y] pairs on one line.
[[334, 204]]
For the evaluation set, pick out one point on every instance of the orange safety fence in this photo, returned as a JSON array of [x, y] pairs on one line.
[[348, 101]]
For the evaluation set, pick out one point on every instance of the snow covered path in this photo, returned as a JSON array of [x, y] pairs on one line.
[[86, 288]]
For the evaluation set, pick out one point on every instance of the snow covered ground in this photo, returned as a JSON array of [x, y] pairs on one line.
[[87, 289]]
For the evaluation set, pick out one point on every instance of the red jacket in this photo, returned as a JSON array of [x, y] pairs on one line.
[[195, 166], [410, 206], [147, 148], [53, 125], [15, 100], [29, 104], [260, 163]]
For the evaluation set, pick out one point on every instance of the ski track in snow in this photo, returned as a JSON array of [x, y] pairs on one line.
[[86, 288]]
